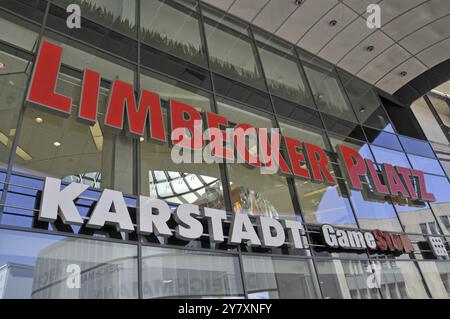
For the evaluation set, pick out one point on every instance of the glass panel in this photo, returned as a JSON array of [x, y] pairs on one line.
[[172, 28], [328, 93], [437, 277], [67, 149], [18, 33], [384, 155], [383, 139], [359, 146], [347, 279], [342, 127], [365, 102], [83, 57], [294, 112], [99, 33], [252, 192], [322, 204], [259, 194], [442, 107], [161, 177], [401, 280], [237, 113], [268, 39], [303, 135], [13, 81], [34, 10], [175, 273], [375, 215], [416, 219], [440, 187], [423, 114], [272, 278], [413, 146], [171, 89], [116, 14], [284, 77], [215, 15], [426, 165], [38, 266], [232, 55]]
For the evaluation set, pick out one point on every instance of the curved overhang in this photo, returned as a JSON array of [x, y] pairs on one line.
[[406, 57]]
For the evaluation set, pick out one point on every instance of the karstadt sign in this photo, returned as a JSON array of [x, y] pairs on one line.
[[153, 217], [144, 116]]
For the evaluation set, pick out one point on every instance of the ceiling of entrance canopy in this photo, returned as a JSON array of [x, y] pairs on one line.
[[413, 38]]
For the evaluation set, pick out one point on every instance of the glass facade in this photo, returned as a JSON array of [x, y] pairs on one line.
[[185, 50]]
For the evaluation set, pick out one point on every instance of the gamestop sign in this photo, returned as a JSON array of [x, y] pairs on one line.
[[189, 131], [377, 240]]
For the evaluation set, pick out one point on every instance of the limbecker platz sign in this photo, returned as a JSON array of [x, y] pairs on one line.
[[144, 116], [153, 216]]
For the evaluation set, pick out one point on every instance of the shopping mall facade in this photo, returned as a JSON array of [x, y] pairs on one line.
[[376, 233]]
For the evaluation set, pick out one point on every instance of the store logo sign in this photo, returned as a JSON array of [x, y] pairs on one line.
[[153, 216], [437, 246], [376, 240], [144, 116]]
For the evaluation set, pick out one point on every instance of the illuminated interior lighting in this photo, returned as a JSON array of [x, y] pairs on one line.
[[39, 120], [56, 144], [19, 151], [141, 139], [167, 281], [2, 65], [11, 82], [22, 154], [97, 135]]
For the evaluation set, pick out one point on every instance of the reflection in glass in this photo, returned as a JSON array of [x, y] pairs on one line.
[[417, 147], [252, 192], [384, 155], [442, 107], [36, 266], [322, 204], [82, 57], [171, 28], [13, 81], [232, 55], [346, 279], [161, 177], [417, 219], [401, 280], [365, 102], [426, 164], [284, 77], [259, 194], [440, 188], [432, 130], [359, 146], [67, 149], [272, 278], [328, 93], [303, 135], [175, 273], [23, 35], [437, 277], [116, 14], [383, 139], [374, 215]]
